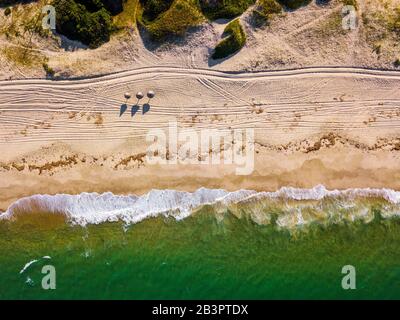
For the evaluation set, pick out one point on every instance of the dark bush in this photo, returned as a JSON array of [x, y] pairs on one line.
[[112, 6], [294, 4], [175, 21], [153, 8], [216, 9], [76, 22], [233, 43]]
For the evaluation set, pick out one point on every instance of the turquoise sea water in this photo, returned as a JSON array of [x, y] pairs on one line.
[[209, 255]]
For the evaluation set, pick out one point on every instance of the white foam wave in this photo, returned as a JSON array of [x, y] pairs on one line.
[[94, 208], [319, 192]]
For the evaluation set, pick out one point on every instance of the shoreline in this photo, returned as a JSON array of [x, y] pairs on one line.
[[273, 171], [339, 131]]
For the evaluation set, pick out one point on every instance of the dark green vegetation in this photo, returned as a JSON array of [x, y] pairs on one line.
[[199, 258], [112, 6], [88, 21], [235, 40], [153, 8], [175, 17], [264, 10], [93, 21], [172, 18], [294, 4], [7, 11], [216, 9]]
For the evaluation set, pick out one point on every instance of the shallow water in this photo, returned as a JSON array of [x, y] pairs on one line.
[[214, 253]]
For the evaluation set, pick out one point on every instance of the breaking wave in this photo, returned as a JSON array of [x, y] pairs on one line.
[[287, 207]]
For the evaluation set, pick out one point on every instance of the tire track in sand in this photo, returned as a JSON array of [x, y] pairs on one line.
[[280, 105]]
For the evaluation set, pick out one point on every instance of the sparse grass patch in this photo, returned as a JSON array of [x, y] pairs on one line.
[[20, 19], [34, 26], [23, 56], [127, 18], [217, 9], [264, 10], [377, 48], [394, 21], [331, 26], [350, 3], [49, 71], [233, 43], [378, 24], [182, 15]]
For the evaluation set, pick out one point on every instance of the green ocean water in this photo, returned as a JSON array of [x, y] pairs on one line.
[[200, 257]]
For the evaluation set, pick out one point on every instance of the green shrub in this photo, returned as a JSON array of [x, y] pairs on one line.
[[76, 22], [182, 15], [153, 8], [216, 9], [233, 43], [91, 5], [7, 12], [112, 6], [264, 10], [294, 4]]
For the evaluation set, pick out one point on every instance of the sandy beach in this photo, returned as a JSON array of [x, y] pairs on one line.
[[199, 149], [332, 126]]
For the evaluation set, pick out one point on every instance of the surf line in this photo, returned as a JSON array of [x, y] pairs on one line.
[[208, 146]]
